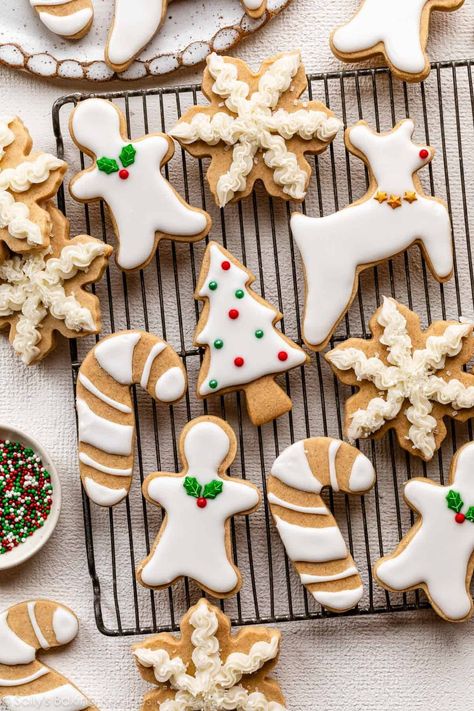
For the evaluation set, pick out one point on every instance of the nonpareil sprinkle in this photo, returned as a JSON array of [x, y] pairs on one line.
[[26, 494]]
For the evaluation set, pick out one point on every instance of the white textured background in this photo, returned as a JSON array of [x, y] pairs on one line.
[[383, 662]]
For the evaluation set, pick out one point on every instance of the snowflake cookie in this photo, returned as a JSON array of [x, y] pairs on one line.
[[42, 293], [27, 181], [126, 175], [398, 31], [71, 19], [194, 538], [408, 379], [255, 128], [208, 668], [437, 552], [25, 682]]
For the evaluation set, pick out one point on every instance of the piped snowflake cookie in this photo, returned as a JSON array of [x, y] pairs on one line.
[[207, 667], [394, 214], [105, 414], [126, 174], [27, 181], [42, 293], [71, 19], [25, 682], [194, 538], [408, 379], [244, 350], [255, 128], [308, 530], [398, 31], [437, 552]]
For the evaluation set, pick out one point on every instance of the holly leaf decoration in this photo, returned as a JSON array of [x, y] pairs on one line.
[[127, 155], [213, 489], [192, 486], [470, 514], [454, 500], [107, 165]]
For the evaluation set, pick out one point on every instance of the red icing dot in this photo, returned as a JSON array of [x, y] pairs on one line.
[[201, 502], [239, 361], [424, 154], [460, 518], [282, 355], [123, 174], [225, 265], [233, 314]]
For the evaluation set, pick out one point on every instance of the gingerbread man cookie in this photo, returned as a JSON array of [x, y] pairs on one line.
[[394, 214], [437, 552], [126, 175], [194, 539], [71, 19]]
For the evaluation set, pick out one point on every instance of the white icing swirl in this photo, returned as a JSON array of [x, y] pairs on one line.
[[20, 178], [15, 217], [6, 134]]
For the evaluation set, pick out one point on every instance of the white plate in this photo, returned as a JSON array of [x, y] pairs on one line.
[[33, 544], [193, 29]]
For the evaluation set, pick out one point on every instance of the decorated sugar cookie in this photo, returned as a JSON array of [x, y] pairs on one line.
[[25, 682], [27, 181], [42, 293], [308, 529], [255, 128], [126, 175], [244, 350], [71, 19], [394, 214], [408, 379], [437, 552], [106, 418], [398, 31], [194, 538], [207, 667]]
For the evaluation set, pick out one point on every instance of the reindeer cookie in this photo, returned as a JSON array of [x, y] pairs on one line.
[[106, 420], [71, 19], [397, 31], [309, 532], [194, 539], [394, 214], [126, 175], [25, 682], [437, 552]]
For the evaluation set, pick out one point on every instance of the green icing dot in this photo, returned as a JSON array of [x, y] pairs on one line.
[[259, 333], [218, 343], [213, 384], [240, 293], [213, 285]]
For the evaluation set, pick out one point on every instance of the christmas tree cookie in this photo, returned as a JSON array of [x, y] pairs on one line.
[[437, 552], [244, 350], [194, 538]]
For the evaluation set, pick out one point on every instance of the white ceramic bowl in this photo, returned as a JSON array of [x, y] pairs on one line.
[[32, 544]]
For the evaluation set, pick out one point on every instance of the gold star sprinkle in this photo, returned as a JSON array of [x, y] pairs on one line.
[[410, 196], [395, 201], [380, 197]]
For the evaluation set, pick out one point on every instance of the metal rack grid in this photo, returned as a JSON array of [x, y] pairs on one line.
[[257, 231]]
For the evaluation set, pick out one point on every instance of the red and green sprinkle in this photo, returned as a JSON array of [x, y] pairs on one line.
[[26, 494]]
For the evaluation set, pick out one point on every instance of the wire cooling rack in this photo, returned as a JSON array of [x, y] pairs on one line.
[[256, 230]]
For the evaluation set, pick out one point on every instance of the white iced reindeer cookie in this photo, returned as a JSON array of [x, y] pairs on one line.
[[126, 174], [71, 19], [394, 214], [307, 528], [437, 552], [398, 31], [194, 538]]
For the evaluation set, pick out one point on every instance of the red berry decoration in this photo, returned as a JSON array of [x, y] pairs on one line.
[[424, 154], [225, 265], [239, 361], [282, 355], [233, 314], [460, 518], [201, 502], [123, 174]]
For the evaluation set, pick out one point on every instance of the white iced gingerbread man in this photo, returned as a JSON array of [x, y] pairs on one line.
[[126, 175], [437, 552], [194, 539]]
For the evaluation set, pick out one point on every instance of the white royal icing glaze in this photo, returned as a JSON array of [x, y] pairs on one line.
[[115, 356], [319, 510], [171, 385], [339, 599], [215, 683], [260, 354], [103, 495], [23, 680], [438, 554], [154, 352], [13, 650], [42, 641], [116, 471], [193, 541], [135, 23], [253, 4], [143, 205], [306, 578], [108, 436], [312, 545], [255, 125], [65, 625], [292, 468], [362, 476], [334, 246], [89, 385], [67, 25], [410, 376], [65, 697]]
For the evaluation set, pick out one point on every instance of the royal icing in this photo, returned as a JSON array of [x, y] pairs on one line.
[[315, 545], [42, 641], [67, 25], [22, 681], [255, 123], [436, 552], [127, 177], [103, 495], [170, 386], [411, 383], [89, 385], [393, 215], [274, 499], [101, 433], [91, 462], [65, 625], [13, 650], [192, 542], [155, 351], [65, 697], [134, 25], [243, 344], [215, 683]]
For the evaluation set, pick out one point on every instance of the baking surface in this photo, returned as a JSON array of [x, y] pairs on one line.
[[356, 663]]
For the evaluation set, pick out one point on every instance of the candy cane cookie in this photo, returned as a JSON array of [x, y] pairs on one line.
[[67, 18]]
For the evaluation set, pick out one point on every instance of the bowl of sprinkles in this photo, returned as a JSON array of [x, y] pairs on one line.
[[30, 497]]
